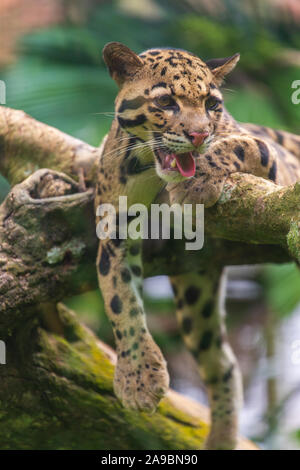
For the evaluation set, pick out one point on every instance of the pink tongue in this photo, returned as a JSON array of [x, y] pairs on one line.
[[185, 164]]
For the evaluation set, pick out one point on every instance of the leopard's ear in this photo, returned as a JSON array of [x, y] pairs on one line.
[[221, 67], [121, 61]]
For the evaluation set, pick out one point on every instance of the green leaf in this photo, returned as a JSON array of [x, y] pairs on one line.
[[282, 287]]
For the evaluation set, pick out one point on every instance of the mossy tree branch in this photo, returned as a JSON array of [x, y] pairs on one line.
[[56, 393], [27, 145]]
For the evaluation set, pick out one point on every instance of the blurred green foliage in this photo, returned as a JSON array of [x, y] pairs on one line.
[[282, 287], [60, 77]]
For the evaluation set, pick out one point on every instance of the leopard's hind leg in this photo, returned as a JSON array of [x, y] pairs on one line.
[[200, 312]]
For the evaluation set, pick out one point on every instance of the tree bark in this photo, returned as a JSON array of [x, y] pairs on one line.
[[56, 387], [27, 145]]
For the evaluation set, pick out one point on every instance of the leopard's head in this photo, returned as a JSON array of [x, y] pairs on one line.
[[170, 99]]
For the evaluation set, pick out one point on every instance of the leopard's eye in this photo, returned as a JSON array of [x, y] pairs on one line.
[[212, 103], [166, 102]]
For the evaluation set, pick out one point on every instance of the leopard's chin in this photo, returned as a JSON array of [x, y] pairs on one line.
[[175, 167]]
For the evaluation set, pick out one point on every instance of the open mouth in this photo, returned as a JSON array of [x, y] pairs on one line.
[[184, 163]]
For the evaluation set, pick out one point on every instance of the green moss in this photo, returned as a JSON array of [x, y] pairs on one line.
[[57, 253], [67, 402], [293, 240], [226, 194]]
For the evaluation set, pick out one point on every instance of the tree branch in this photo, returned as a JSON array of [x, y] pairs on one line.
[[255, 211], [48, 243], [27, 145], [56, 393]]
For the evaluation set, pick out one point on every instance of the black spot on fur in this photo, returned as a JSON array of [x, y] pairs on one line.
[[131, 104], [126, 276], [163, 71], [119, 334], [273, 171], [212, 381], [227, 376], [152, 109], [206, 340], [191, 295], [279, 137], [140, 119], [170, 60], [136, 270], [123, 179], [159, 85], [160, 126], [219, 341], [134, 249], [208, 309], [175, 290], [239, 151], [110, 249], [134, 312], [116, 241], [213, 165], [116, 304], [104, 264], [134, 166], [187, 324], [131, 331], [264, 152]]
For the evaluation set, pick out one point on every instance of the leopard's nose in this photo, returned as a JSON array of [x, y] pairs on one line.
[[198, 138]]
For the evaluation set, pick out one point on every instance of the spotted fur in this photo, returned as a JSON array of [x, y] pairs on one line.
[[167, 97]]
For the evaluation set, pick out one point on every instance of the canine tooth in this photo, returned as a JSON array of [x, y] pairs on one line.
[[173, 164]]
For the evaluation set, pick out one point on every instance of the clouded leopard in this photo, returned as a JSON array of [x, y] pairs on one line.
[[172, 130]]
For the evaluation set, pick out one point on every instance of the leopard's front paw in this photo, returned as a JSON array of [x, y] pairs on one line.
[[205, 190], [142, 382]]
